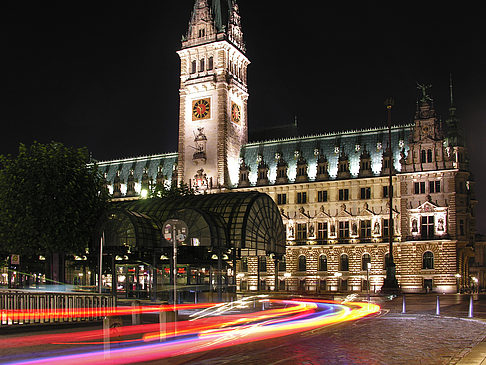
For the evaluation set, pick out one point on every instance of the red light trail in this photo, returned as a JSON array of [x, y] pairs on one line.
[[210, 329]]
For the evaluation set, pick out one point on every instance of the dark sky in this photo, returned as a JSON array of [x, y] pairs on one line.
[[105, 74]]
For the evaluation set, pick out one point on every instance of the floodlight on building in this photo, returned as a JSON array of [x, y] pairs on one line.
[[287, 275], [144, 194]]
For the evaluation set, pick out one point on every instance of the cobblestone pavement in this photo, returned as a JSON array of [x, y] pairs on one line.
[[418, 337], [387, 339]]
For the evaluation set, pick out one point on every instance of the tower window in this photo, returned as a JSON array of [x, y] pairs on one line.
[[201, 65], [202, 33], [210, 63], [423, 156], [429, 155], [193, 67]]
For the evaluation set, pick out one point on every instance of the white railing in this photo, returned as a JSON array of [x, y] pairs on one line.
[[21, 307]]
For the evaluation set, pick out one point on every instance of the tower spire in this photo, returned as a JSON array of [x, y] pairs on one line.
[[452, 107]]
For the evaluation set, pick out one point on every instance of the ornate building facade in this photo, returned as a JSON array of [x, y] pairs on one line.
[[332, 189]]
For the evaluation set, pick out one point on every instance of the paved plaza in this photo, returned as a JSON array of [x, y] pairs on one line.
[[416, 337]]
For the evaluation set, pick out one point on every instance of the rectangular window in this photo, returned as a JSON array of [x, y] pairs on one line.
[[386, 228], [419, 187], [281, 199], [365, 229], [385, 191], [365, 193], [201, 65], [302, 197], [343, 194], [322, 196], [461, 227], [434, 186], [344, 229], [427, 226], [301, 231], [322, 230], [210, 63]]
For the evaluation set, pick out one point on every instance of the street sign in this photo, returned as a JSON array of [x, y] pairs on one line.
[[178, 227], [15, 259]]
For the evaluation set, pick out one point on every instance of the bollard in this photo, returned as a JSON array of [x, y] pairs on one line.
[[135, 312], [437, 307], [470, 314], [109, 324], [404, 307], [164, 318]]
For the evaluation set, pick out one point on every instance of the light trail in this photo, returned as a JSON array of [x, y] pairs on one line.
[[208, 333]]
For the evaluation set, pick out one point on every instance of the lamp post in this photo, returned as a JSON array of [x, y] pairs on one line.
[[458, 278], [391, 284], [368, 267]]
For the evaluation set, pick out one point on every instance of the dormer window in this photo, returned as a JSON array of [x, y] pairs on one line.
[[301, 170]]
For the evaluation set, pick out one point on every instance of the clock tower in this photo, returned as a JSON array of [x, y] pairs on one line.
[[213, 92]]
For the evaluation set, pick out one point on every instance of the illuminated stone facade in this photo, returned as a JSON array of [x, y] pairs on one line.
[[332, 189]]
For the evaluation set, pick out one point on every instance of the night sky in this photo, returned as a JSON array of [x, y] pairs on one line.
[[105, 75]]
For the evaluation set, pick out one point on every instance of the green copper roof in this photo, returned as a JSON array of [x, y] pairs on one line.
[[221, 10]]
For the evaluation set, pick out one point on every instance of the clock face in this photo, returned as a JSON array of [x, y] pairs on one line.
[[235, 113], [201, 109]]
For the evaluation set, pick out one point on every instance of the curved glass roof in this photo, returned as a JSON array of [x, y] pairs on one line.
[[247, 221]]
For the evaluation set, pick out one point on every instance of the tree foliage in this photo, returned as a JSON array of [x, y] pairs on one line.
[[50, 199]]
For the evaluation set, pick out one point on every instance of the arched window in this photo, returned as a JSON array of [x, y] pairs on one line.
[[193, 67], [302, 263], [344, 263], [323, 263], [365, 260], [201, 65], [428, 260]]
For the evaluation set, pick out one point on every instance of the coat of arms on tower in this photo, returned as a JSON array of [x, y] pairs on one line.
[[200, 140]]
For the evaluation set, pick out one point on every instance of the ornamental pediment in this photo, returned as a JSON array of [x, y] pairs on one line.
[[322, 213], [343, 213], [428, 207]]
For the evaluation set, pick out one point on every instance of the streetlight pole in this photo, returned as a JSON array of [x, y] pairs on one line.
[[391, 283]]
